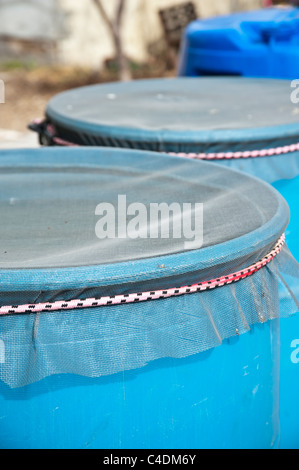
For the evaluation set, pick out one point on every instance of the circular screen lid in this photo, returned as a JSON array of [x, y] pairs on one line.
[[63, 208], [75, 226], [177, 110]]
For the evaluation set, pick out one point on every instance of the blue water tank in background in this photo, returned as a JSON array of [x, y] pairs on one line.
[[262, 43]]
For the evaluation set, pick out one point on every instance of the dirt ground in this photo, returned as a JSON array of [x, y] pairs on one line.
[[27, 93]]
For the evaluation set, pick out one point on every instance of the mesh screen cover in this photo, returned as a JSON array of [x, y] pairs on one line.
[[51, 202], [182, 113], [187, 115]]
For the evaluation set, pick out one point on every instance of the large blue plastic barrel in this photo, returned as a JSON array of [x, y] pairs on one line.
[[170, 404], [149, 363], [262, 43], [241, 123]]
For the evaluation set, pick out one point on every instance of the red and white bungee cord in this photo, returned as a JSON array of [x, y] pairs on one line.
[[194, 156], [145, 296], [235, 155]]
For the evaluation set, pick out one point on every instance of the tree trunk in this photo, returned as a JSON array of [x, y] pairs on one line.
[[114, 26], [122, 61]]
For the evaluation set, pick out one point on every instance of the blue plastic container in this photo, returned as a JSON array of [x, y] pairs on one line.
[[289, 381], [197, 116], [189, 371], [170, 404], [282, 172], [261, 43]]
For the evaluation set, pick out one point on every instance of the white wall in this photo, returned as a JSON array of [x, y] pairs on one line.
[[31, 19]]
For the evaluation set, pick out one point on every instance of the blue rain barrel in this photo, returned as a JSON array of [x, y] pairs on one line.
[[120, 331], [242, 123], [262, 43]]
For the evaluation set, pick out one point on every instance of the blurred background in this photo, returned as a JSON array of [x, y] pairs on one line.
[[47, 46]]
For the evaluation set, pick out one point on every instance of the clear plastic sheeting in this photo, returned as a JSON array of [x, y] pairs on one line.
[[51, 251]]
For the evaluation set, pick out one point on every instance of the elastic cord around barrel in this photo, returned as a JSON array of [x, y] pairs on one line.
[[146, 296], [41, 126]]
